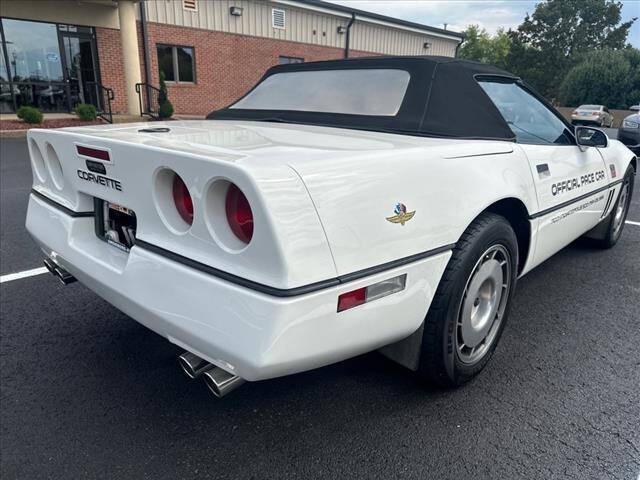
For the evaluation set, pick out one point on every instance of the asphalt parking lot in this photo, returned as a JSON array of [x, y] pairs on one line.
[[86, 392]]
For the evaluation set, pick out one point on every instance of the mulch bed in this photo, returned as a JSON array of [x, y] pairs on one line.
[[52, 123]]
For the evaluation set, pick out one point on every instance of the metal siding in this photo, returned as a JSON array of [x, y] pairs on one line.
[[391, 41], [256, 21]]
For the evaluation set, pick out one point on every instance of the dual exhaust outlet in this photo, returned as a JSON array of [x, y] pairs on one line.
[[219, 381], [57, 271]]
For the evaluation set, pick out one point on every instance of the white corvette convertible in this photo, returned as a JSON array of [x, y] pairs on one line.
[[337, 208]]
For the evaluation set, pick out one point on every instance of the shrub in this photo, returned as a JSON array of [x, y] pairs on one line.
[[30, 114], [21, 110], [165, 109], [86, 111], [607, 77]]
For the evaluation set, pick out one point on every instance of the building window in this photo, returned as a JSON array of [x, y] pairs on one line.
[[278, 18], [50, 66], [286, 60], [177, 63]]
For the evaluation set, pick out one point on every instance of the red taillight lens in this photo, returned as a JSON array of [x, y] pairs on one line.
[[352, 299], [93, 153], [182, 199], [239, 214]]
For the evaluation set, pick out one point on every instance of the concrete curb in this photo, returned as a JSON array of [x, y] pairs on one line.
[[13, 133]]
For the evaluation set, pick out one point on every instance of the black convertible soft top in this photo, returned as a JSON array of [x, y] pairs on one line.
[[443, 99]]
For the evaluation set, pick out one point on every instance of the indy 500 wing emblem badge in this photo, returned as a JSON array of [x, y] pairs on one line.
[[401, 215]]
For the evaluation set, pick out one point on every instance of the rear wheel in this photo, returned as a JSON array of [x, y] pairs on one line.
[[470, 308], [614, 223]]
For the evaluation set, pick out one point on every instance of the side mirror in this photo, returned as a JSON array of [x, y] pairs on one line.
[[591, 137]]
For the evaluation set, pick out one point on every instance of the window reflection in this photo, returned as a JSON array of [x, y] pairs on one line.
[[33, 50]]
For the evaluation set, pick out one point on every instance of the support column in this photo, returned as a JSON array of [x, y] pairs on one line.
[[130, 55]]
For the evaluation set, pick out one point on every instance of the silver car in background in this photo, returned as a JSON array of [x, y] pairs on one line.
[[592, 115]]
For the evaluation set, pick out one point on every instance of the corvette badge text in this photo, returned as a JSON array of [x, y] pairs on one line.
[[578, 182], [100, 180]]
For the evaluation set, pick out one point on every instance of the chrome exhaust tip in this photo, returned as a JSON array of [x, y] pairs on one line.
[[221, 382], [60, 273], [193, 365]]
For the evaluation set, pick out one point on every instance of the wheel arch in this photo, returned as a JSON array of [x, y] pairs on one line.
[[516, 213], [406, 352]]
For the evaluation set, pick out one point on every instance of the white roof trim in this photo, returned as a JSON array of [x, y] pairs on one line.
[[337, 13]]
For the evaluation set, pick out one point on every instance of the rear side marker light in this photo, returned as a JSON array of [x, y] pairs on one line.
[[93, 153], [372, 292]]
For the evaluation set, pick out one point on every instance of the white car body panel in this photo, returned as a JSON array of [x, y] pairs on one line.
[[250, 334], [320, 198], [584, 171]]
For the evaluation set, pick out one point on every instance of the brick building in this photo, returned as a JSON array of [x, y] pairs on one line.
[[58, 53]]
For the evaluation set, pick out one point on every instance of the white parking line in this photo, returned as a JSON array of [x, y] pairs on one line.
[[637, 224], [27, 273]]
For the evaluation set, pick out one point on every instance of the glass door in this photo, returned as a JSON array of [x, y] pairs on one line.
[[80, 68]]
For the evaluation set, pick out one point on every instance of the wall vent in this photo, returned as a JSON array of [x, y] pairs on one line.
[[278, 18], [190, 5]]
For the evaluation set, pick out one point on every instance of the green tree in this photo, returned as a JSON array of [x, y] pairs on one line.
[[481, 46], [607, 77], [559, 34]]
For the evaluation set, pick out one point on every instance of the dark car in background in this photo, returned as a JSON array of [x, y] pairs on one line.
[[629, 131]]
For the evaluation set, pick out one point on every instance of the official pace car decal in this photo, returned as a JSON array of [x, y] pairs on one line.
[[401, 215], [577, 182]]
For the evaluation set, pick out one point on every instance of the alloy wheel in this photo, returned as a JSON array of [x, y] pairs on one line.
[[483, 304]]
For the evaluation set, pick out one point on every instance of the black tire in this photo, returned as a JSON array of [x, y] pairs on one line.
[[440, 361], [613, 226]]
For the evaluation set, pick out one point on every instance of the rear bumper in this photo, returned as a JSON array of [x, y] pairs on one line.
[[575, 119], [248, 333]]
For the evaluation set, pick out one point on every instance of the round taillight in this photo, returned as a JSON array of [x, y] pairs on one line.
[[182, 199], [239, 214]]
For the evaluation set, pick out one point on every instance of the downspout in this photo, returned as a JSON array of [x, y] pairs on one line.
[[348, 35], [455, 55], [145, 50]]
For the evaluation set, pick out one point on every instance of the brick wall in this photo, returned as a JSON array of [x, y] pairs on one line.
[[111, 66], [227, 65]]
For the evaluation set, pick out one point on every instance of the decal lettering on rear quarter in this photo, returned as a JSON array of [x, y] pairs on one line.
[[577, 182], [401, 215], [100, 180]]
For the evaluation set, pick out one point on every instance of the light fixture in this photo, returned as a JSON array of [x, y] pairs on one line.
[[363, 295], [342, 29], [235, 11], [427, 45]]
